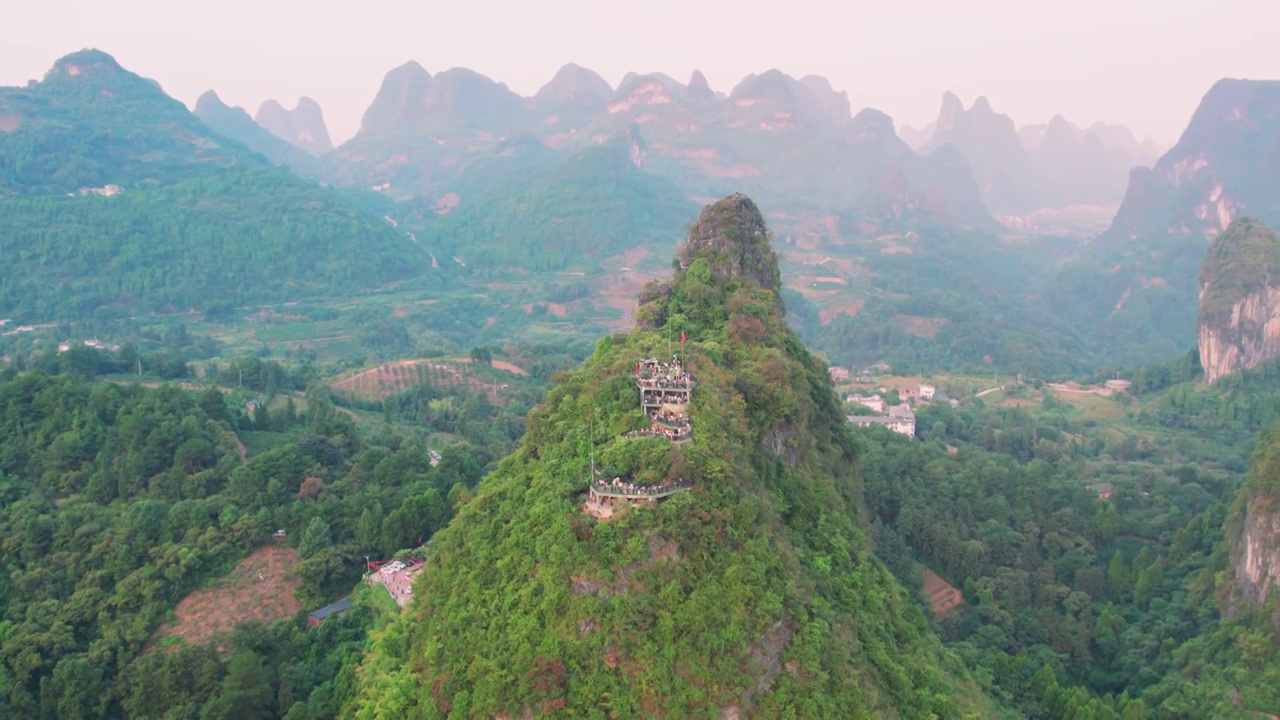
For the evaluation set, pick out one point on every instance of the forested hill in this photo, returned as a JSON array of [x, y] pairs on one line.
[[548, 214], [91, 123], [113, 197], [751, 590]]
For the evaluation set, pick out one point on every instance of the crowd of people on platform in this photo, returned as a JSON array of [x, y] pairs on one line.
[[653, 373], [670, 417], [664, 397], [622, 487], [661, 432]]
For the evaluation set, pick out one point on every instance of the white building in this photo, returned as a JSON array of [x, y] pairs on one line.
[[900, 420], [874, 403], [926, 392]]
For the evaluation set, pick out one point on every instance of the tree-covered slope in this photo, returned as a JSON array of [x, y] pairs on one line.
[[756, 592], [113, 195], [91, 123], [568, 214], [239, 237]]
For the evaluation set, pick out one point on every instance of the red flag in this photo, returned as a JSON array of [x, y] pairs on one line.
[[637, 367], [681, 336]]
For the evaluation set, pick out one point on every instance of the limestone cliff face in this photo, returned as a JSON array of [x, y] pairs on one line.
[[1252, 336], [1239, 300], [1256, 554], [1253, 528]]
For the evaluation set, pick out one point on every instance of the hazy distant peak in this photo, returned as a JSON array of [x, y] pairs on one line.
[[208, 101], [982, 106], [771, 84], [302, 127], [952, 109], [401, 99], [84, 62], [699, 88], [411, 69], [871, 119], [576, 85], [835, 103]]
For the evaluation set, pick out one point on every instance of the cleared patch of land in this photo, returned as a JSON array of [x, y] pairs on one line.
[[395, 377], [942, 595], [259, 588]]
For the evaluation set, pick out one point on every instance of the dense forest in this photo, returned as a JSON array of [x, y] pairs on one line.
[[239, 237], [562, 214], [1078, 605], [119, 500]]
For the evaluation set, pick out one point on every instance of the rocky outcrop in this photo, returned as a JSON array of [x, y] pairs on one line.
[[1224, 166], [302, 127], [1239, 323], [1253, 529], [1256, 553], [733, 233]]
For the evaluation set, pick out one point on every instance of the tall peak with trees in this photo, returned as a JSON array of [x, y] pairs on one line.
[[755, 592]]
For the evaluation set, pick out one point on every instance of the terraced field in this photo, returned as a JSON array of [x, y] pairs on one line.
[[395, 377]]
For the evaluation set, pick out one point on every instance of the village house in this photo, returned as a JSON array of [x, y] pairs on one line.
[[927, 392], [874, 403], [900, 420], [1118, 385], [906, 394], [1104, 489], [838, 374]]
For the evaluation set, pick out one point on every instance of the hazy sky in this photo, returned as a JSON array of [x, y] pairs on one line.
[[1145, 63]]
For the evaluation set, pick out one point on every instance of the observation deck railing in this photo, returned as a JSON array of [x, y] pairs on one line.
[[632, 491], [674, 436]]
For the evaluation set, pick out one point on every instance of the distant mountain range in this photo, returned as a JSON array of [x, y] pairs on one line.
[[792, 142], [785, 140], [1137, 282]]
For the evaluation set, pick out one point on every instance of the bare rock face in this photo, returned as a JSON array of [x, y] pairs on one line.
[[731, 234], [1256, 555], [1253, 528], [1239, 301]]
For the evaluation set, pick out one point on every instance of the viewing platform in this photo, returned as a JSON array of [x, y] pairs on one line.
[[606, 498], [658, 398], [652, 374], [621, 490], [678, 437]]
